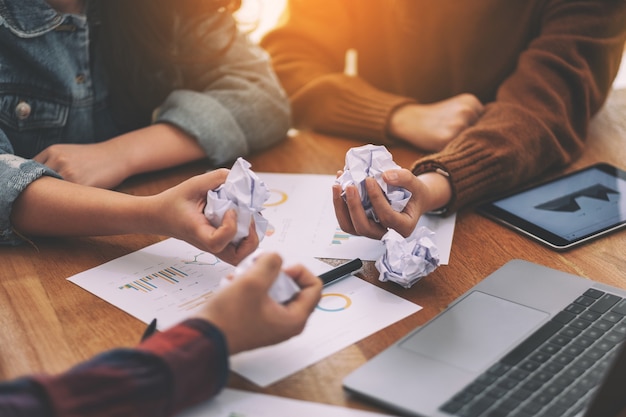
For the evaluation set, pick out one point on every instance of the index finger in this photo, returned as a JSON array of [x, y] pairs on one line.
[[302, 276], [310, 290], [215, 178], [220, 237], [364, 225], [341, 211]]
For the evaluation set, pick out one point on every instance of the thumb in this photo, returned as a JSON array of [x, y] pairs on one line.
[[264, 271], [397, 176]]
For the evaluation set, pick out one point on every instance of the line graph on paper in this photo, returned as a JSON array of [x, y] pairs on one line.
[[168, 281]]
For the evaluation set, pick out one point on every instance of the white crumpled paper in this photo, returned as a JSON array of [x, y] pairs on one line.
[[282, 290], [371, 161], [243, 191], [406, 261]]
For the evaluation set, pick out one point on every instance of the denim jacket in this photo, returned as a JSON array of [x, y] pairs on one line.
[[52, 90]]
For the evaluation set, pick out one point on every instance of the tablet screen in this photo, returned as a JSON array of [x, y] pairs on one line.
[[569, 209]]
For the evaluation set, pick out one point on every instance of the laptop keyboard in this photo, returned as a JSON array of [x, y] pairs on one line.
[[556, 370]]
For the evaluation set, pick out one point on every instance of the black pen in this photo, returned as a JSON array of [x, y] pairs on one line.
[[149, 330], [341, 271]]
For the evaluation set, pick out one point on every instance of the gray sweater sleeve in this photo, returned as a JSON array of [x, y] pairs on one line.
[[16, 174], [242, 108]]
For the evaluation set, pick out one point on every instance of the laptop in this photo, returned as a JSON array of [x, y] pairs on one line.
[[526, 341]]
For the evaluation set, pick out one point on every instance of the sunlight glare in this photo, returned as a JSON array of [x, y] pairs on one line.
[[259, 16]]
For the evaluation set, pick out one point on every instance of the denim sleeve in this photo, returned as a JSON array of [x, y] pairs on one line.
[[16, 174], [242, 108]]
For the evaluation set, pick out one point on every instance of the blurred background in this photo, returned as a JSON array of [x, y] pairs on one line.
[[259, 16]]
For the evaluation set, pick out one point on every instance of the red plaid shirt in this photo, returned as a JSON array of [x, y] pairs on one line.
[[165, 374]]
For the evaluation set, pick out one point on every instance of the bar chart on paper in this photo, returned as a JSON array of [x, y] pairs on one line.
[[167, 281], [150, 282]]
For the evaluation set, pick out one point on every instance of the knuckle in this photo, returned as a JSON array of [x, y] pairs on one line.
[[346, 227], [365, 230], [214, 246]]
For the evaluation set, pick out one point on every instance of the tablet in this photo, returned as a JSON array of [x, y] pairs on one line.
[[568, 210]]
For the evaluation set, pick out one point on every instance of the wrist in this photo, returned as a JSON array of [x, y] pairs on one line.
[[440, 191], [149, 215], [158, 146], [399, 122]]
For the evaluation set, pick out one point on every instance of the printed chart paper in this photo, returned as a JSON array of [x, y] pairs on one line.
[[237, 403], [349, 310], [169, 280], [300, 209]]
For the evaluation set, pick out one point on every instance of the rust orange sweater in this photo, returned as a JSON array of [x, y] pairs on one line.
[[541, 67]]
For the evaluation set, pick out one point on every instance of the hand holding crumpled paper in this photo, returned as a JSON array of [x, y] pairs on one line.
[[244, 192], [281, 291], [405, 261], [371, 161]]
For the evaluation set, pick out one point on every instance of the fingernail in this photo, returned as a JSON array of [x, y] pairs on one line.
[[391, 175]]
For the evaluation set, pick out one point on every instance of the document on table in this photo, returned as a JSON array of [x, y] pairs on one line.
[[169, 280], [236, 403], [172, 279], [349, 310], [300, 211]]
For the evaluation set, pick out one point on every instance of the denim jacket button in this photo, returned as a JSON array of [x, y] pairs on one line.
[[22, 110]]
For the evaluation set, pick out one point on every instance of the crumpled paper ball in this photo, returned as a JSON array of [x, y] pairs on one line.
[[244, 192], [281, 291], [371, 161], [406, 261]]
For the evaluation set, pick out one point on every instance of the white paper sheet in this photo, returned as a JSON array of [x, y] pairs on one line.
[[237, 403], [300, 209], [350, 310], [169, 280]]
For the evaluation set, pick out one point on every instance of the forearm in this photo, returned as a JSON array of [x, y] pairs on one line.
[[235, 105], [53, 207], [310, 65], [346, 106], [505, 149], [155, 147], [539, 119], [171, 371]]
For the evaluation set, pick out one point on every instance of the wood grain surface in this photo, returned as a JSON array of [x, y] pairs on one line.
[[50, 324]]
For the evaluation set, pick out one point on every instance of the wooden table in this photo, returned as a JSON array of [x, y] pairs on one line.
[[49, 324]]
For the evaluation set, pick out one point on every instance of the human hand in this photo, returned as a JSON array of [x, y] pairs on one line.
[[250, 318], [99, 165], [429, 191], [430, 127], [179, 212]]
